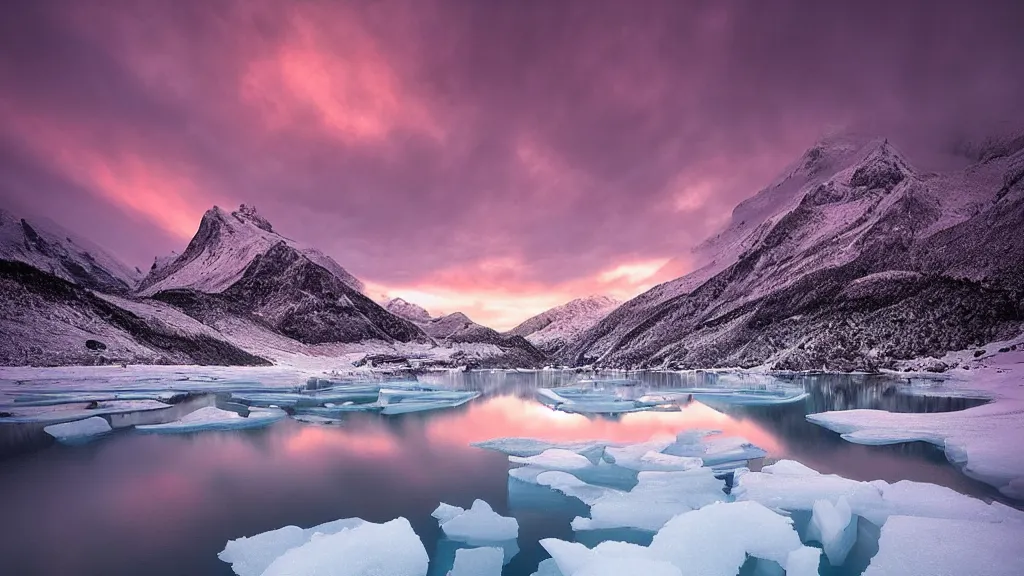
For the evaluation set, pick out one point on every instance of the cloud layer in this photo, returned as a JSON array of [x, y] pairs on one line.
[[494, 157]]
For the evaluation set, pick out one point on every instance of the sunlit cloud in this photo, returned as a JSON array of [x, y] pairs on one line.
[[337, 78]]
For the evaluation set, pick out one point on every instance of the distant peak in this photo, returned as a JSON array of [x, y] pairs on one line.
[[248, 213]]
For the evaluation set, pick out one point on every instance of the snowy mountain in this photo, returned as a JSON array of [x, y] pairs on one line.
[[851, 259], [407, 310], [457, 329], [551, 330], [48, 247], [224, 246]]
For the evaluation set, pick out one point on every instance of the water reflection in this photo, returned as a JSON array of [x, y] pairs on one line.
[[165, 505]]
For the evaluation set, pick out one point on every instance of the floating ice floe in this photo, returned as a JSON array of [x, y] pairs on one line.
[[547, 567], [716, 451], [391, 548], [969, 437], [250, 556], [912, 546], [712, 541], [835, 527], [79, 431], [791, 487], [314, 419], [648, 456], [477, 562], [555, 459], [656, 498], [525, 447], [404, 401], [79, 410], [585, 401], [212, 418], [478, 524]]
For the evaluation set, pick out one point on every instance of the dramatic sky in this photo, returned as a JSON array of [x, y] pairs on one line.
[[495, 157]]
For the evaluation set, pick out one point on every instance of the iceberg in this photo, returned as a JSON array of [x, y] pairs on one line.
[[405, 401], [835, 527], [547, 567], [391, 548], [714, 450], [478, 562], [478, 524], [656, 498], [250, 556], [79, 431], [912, 546], [648, 456], [572, 486], [212, 418]]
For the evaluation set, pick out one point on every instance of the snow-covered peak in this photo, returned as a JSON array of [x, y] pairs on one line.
[[249, 214], [225, 244], [556, 326], [49, 247], [407, 310]]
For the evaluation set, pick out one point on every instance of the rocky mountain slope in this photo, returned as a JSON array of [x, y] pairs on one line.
[[851, 260], [551, 330], [50, 248], [407, 310]]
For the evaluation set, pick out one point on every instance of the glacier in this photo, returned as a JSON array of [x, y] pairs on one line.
[[478, 524]]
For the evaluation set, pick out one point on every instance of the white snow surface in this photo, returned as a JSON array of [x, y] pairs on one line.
[[984, 440], [912, 546], [554, 459], [214, 263], [407, 310], [835, 527]]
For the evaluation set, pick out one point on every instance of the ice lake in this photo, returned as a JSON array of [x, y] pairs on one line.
[[166, 504]]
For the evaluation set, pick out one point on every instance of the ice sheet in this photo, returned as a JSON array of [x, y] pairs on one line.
[[875, 501], [912, 546], [79, 431], [477, 562], [212, 418]]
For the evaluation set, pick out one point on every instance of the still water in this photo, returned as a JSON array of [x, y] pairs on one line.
[[164, 505]]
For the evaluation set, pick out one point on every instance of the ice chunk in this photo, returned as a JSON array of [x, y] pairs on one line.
[[835, 527], [478, 524], [720, 452], [547, 567], [747, 397], [445, 512], [555, 459], [932, 547], [525, 447], [648, 456], [656, 498], [79, 431], [789, 468], [572, 486], [391, 548], [250, 556], [712, 541], [619, 566], [715, 540], [477, 562], [405, 401], [212, 418], [874, 501], [313, 419]]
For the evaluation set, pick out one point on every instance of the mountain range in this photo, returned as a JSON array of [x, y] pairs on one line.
[[852, 259]]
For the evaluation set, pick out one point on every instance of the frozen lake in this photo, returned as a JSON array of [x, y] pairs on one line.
[[166, 504]]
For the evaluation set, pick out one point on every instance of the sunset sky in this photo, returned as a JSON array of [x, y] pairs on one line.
[[494, 157]]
